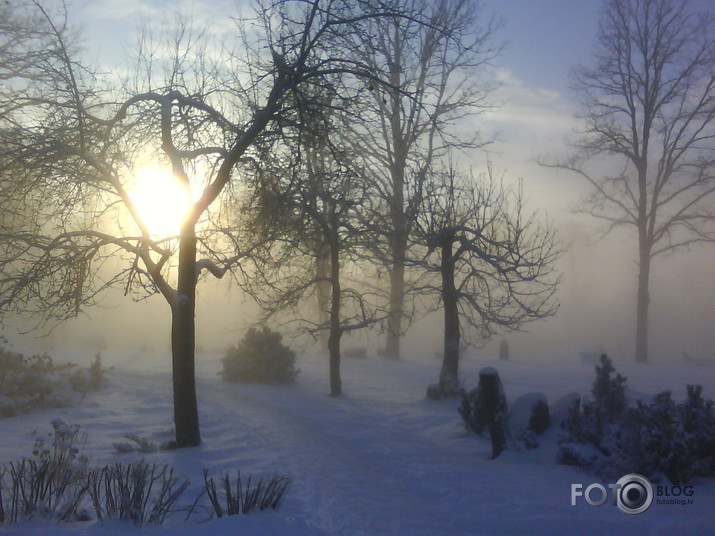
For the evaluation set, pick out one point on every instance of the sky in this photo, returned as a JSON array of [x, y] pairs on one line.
[[534, 119]]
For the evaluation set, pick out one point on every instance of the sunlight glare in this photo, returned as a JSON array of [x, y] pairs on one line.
[[162, 203]]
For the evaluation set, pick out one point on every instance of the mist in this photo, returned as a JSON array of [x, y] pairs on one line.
[[596, 314]]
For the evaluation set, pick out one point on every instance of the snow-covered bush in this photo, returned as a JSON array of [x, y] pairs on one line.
[[31, 383], [50, 484], [663, 439], [260, 357], [676, 440], [528, 417]]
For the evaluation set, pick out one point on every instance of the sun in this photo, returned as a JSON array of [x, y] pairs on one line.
[[162, 203]]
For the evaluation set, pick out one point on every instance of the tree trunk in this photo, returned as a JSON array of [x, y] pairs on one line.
[[642, 305], [336, 332], [644, 256], [398, 223], [449, 375], [322, 295], [186, 414], [394, 320]]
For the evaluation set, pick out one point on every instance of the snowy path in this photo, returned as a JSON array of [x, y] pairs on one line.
[[340, 481], [351, 483]]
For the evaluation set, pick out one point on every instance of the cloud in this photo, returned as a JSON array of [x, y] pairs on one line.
[[214, 18], [530, 116], [124, 10]]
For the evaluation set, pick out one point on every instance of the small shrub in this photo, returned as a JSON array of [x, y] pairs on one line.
[[260, 357], [27, 384], [671, 439], [609, 392], [63, 449], [138, 491], [31, 383], [242, 498], [660, 440], [51, 484], [57, 484], [90, 379], [540, 418]]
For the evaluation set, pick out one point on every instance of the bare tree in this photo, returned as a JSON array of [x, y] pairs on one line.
[[70, 147], [649, 104], [495, 263], [412, 121], [319, 201]]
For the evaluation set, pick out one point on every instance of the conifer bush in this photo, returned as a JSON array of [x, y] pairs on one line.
[[660, 440], [260, 357]]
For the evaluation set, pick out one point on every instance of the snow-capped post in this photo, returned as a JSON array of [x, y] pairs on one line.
[[494, 408]]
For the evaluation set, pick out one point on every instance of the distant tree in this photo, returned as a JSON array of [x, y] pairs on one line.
[[495, 264], [405, 125], [649, 104], [71, 143], [319, 201]]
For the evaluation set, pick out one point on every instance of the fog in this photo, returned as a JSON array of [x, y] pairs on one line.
[[597, 312]]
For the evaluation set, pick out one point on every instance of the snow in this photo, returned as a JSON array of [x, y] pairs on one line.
[[521, 410], [380, 460]]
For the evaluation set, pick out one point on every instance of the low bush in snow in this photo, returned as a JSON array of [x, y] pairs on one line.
[[51, 484], [36, 382], [57, 483], [260, 357], [137, 491], [240, 497], [89, 379], [663, 439]]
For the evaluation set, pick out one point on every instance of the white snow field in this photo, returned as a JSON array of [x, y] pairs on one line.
[[381, 460]]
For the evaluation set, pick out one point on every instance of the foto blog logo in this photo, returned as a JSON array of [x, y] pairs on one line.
[[633, 494]]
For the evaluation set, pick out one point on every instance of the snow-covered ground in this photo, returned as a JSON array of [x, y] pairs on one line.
[[381, 460]]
